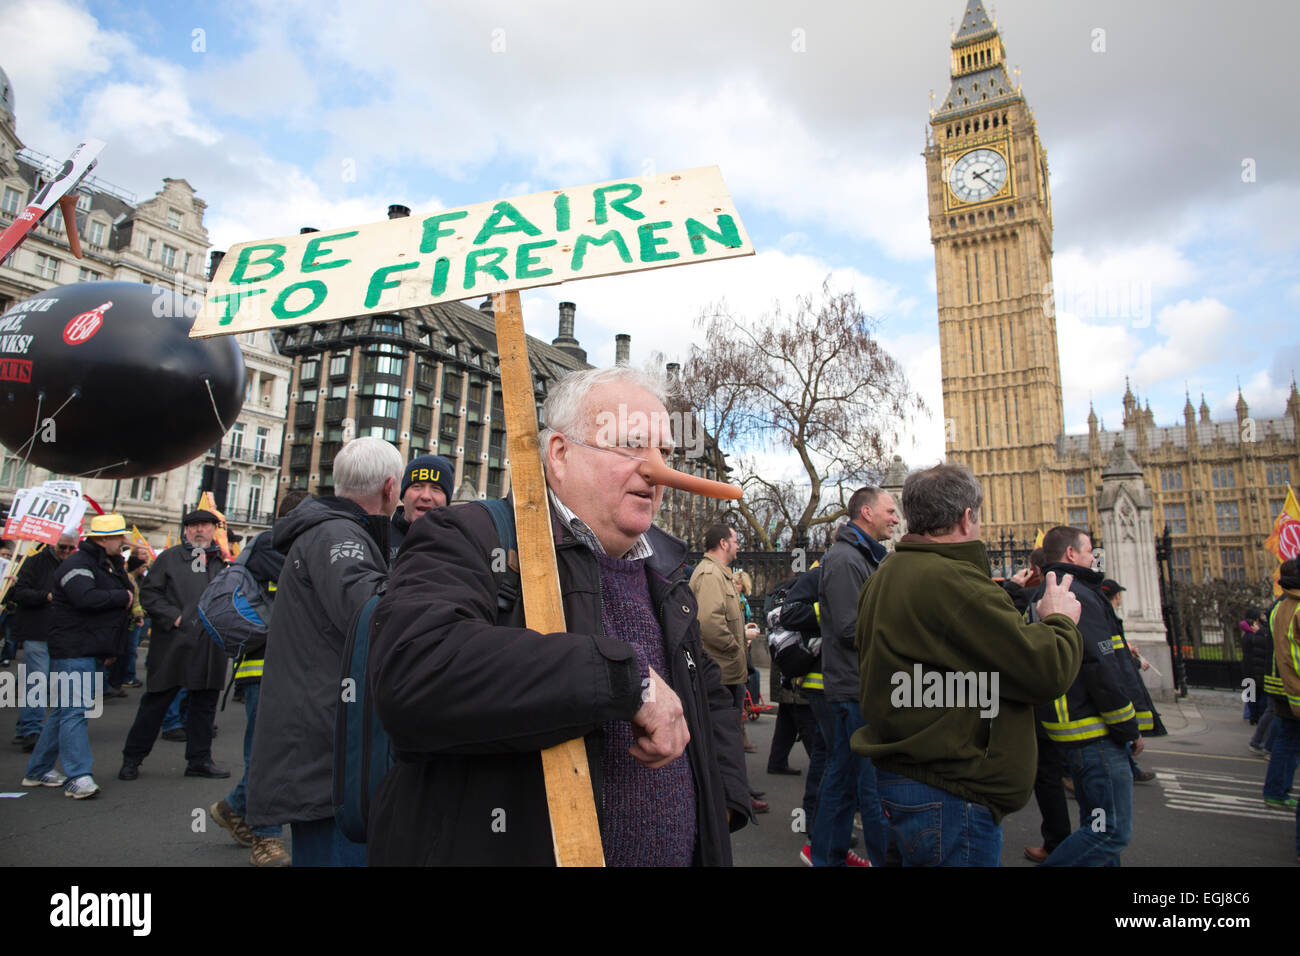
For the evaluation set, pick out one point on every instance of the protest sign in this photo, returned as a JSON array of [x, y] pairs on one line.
[[603, 229], [39, 514]]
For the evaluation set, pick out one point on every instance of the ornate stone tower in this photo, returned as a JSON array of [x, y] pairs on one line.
[[991, 225]]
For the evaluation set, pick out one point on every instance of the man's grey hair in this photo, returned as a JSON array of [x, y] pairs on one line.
[[935, 499], [363, 465], [564, 411]]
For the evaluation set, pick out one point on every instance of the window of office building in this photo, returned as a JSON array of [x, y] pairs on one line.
[[47, 267], [1226, 514], [1171, 480], [1234, 564], [1223, 477], [1176, 518]]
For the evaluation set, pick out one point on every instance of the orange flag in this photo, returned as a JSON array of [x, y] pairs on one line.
[[1284, 542], [208, 503], [140, 541]]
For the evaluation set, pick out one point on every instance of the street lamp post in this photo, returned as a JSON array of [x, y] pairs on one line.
[[1169, 607]]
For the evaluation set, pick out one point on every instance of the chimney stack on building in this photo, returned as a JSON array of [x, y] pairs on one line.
[[565, 341], [398, 211], [622, 349], [214, 260], [306, 229]]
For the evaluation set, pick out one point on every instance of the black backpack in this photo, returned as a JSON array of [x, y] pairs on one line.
[[794, 632], [363, 754]]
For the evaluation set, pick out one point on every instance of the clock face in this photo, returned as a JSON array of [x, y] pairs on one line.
[[977, 175]]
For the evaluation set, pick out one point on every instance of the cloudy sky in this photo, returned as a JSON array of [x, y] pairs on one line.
[[1170, 126]]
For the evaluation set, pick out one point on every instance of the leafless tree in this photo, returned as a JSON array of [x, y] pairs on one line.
[[814, 383]]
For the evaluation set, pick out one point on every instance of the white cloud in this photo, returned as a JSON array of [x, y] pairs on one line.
[[1095, 359], [1196, 333], [1118, 283]]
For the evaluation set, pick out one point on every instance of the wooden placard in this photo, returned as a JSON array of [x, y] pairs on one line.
[[626, 225], [575, 828]]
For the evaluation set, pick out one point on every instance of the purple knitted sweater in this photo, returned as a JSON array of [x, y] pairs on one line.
[[647, 816]]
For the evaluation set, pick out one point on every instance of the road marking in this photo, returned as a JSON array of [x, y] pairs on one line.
[[1199, 791], [1185, 753]]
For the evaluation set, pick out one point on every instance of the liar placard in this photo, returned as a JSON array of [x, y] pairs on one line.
[[603, 229]]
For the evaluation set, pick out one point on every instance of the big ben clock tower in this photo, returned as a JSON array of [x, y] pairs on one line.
[[991, 225]]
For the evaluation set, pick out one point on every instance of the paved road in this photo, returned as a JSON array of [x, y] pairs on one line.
[[1203, 809]]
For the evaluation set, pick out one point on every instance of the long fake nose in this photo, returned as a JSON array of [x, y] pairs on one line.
[[656, 471]]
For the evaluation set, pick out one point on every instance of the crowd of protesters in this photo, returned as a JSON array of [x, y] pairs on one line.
[[931, 699]]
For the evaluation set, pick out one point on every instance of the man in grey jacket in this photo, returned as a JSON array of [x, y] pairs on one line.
[[336, 548], [849, 781]]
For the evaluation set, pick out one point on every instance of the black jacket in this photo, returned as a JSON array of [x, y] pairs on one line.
[[333, 565], [91, 608], [1256, 655], [469, 704], [398, 527], [36, 580], [184, 656], [852, 559], [1100, 703]]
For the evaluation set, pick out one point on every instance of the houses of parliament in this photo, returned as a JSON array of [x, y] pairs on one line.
[[1218, 486]]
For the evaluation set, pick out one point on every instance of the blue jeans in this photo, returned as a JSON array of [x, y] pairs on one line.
[[1103, 785], [931, 827], [238, 798], [1284, 755], [172, 719], [36, 660], [66, 737], [848, 782], [322, 843]]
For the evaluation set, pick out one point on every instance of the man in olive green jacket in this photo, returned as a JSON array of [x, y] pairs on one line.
[[950, 673]]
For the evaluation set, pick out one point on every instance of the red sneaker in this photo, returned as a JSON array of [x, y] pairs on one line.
[[852, 859], [805, 855]]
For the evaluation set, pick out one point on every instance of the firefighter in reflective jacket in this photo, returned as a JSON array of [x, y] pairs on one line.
[[1100, 702]]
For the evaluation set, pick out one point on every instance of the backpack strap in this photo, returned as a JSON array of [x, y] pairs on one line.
[[508, 584]]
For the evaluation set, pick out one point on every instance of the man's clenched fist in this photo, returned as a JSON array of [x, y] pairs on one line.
[[663, 734]]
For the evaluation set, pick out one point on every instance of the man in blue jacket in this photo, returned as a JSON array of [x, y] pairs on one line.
[[849, 781]]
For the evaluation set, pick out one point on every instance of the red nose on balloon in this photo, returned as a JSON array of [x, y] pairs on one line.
[[102, 379], [656, 471]]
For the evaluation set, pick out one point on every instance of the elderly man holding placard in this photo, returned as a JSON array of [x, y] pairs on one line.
[[470, 696]]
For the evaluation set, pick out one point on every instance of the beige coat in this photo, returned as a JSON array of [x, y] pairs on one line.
[[722, 623]]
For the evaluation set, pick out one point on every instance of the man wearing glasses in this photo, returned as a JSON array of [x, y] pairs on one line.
[[33, 592], [470, 696]]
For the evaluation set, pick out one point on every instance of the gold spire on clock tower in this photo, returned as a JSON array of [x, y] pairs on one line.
[[991, 226]]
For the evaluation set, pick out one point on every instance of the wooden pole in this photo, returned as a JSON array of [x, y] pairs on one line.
[[22, 549], [575, 829]]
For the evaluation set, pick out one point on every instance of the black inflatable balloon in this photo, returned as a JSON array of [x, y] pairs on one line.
[[112, 364]]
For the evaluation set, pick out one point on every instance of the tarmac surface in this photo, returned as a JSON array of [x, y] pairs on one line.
[[1203, 809]]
